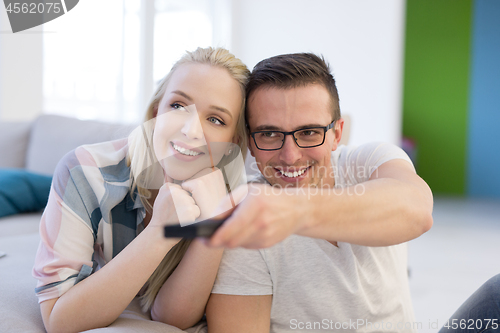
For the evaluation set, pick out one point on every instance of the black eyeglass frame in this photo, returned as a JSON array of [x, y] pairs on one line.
[[325, 129]]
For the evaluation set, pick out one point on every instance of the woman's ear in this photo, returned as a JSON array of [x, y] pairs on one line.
[[236, 139], [230, 147]]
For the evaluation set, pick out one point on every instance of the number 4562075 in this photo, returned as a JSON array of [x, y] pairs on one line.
[[471, 324], [34, 8]]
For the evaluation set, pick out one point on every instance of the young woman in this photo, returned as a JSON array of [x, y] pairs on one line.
[[102, 230]]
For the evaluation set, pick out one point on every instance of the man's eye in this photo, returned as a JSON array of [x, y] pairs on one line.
[[268, 134], [215, 121], [309, 132]]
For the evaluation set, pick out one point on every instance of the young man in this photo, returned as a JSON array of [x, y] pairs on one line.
[[331, 228]]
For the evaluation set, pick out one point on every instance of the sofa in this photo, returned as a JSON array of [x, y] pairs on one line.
[[36, 147]]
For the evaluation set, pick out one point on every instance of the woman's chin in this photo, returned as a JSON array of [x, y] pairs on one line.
[[179, 175]]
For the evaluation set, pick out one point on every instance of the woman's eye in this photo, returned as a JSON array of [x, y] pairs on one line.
[[177, 106], [215, 121]]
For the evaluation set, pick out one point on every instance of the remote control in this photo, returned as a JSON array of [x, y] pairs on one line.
[[201, 229]]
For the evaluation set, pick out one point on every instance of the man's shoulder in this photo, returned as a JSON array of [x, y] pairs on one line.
[[293, 244], [368, 147], [355, 164], [373, 153]]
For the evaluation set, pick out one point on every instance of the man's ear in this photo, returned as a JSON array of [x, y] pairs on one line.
[[250, 147], [337, 129]]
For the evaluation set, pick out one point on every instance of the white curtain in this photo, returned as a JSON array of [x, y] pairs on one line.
[[103, 59]]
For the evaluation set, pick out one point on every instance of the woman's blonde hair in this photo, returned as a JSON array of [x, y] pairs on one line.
[[143, 163]]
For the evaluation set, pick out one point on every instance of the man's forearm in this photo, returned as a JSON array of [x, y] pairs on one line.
[[379, 212], [393, 206]]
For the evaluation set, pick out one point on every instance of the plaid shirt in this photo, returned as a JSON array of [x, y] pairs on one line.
[[90, 217]]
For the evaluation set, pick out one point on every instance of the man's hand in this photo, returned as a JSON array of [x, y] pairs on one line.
[[265, 217]]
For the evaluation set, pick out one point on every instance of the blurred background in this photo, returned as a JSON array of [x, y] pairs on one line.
[[423, 74]]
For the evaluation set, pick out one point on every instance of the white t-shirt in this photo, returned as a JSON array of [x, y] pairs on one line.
[[319, 287]]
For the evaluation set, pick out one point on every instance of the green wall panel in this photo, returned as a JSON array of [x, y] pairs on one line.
[[436, 85]]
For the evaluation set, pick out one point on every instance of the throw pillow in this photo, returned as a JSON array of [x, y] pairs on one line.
[[22, 191]]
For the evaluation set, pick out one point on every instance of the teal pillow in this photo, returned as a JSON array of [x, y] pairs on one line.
[[22, 191]]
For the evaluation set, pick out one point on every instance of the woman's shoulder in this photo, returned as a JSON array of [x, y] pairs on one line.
[[98, 155], [97, 161], [103, 154]]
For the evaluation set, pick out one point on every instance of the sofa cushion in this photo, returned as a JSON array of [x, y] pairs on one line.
[[14, 138], [19, 309], [53, 136], [20, 224], [22, 191]]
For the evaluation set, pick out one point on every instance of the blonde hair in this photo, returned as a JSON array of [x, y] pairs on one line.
[[143, 163]]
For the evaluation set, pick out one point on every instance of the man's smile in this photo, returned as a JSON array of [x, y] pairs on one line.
[[292, 174]]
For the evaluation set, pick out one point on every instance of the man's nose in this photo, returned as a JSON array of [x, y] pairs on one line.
[[192, 128], [290, 152]]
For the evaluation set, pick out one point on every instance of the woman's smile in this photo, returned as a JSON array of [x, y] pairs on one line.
[[184, 152]]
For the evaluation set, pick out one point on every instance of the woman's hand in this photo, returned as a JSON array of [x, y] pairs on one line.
[[182, 299], [174, 205], [208, 189]]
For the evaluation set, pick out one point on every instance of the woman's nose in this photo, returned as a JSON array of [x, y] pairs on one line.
[[192, 128]]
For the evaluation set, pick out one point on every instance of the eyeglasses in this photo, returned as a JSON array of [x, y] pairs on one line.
[[304, 138]]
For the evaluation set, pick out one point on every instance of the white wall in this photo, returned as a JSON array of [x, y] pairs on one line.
[[362, 40], [20, 71]]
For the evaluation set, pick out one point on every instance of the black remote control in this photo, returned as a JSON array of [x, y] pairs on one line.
[[200, 229]]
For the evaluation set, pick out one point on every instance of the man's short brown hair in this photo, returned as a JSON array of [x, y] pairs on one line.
[[291, 71]]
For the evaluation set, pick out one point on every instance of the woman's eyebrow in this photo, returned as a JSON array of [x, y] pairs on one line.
[[190, 99], [183, 94], [221, 109]]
